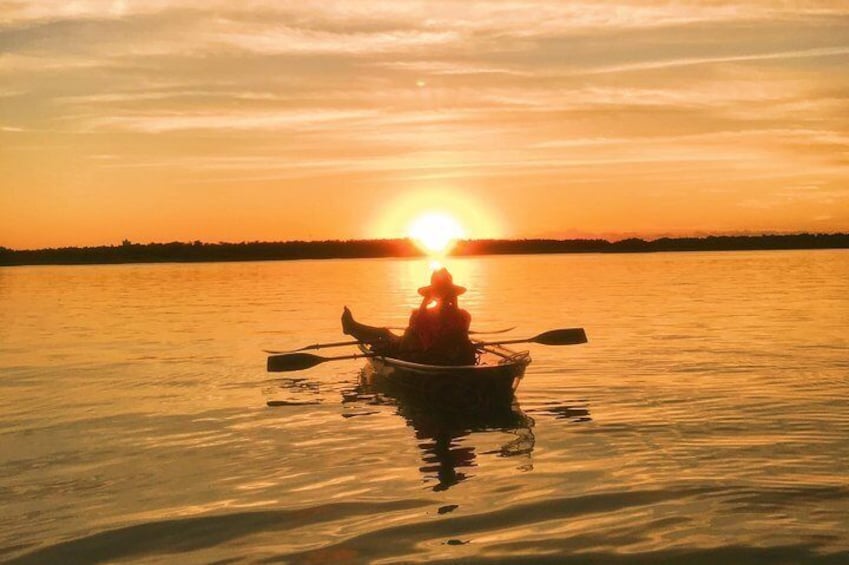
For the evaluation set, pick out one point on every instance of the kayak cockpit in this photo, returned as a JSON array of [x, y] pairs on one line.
[[490, 357]]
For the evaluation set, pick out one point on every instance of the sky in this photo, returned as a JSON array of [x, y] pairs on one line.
[[259, 120]]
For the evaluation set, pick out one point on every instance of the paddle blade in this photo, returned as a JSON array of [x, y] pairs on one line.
[[569, 336], [292, 362]]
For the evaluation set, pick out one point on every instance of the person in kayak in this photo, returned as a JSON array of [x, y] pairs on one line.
[[437, 333]]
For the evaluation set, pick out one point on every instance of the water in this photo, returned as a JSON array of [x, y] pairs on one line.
[[707, 419]]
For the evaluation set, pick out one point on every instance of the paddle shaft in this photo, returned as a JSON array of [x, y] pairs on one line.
[[316, 346], [471, 332]]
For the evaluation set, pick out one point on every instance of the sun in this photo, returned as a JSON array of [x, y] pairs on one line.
[[469, 216], [435, 232]]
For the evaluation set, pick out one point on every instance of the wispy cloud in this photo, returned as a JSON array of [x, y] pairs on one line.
[[159, 123], [840, 51]]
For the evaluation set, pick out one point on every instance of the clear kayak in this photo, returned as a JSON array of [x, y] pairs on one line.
[[491, 381]]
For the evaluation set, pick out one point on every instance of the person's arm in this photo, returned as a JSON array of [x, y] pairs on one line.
[[467, 320], [414, 320]]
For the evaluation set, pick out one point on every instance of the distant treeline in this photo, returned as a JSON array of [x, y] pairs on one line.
[[197, 251]]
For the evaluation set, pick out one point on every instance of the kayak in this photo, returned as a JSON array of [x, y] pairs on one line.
[[491, 381]]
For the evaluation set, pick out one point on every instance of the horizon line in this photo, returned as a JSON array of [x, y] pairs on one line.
[[588, 238]]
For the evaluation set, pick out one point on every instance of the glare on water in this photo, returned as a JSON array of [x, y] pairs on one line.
[[707, 418]]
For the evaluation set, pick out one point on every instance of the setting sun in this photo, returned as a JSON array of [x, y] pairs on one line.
[[416, 213], [436, 232]]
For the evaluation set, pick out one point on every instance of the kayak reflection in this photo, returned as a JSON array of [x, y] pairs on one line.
[[445, 427]]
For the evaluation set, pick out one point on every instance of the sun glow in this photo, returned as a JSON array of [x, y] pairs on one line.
[[436, 232], [475, 218]]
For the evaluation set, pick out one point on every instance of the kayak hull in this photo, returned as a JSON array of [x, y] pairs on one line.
[[486, 385]]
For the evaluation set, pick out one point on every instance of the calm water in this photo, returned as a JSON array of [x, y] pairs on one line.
[[706, 421]]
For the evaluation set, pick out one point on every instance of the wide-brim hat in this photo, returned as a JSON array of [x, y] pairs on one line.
[[442, 284]]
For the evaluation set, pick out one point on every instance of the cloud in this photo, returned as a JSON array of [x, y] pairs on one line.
[[800, 54], [288, 40], [158, 123]]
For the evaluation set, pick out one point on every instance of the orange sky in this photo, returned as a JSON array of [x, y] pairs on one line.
[[260, 120]]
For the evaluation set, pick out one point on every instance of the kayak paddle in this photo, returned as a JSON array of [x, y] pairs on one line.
[[316, 346], [300, 361], [343, 343], [471, 332], [482, 332], [568, 336]]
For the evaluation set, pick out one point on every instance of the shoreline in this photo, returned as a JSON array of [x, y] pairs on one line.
[[199, 252]]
